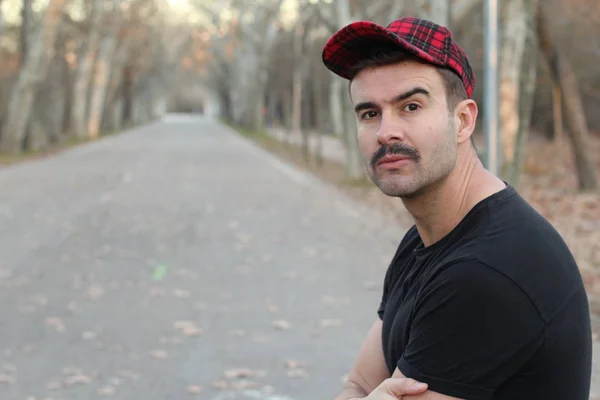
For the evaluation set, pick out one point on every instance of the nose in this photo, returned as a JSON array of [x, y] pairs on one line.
[[390, 130]]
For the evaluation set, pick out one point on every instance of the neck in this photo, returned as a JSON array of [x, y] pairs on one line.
[[442, 206]]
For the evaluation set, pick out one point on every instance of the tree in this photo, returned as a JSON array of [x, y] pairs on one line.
[[83, 70], [514, 25], [562, 73], [33, 71]]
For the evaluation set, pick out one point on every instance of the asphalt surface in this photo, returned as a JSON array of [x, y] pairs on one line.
[[177, 261]]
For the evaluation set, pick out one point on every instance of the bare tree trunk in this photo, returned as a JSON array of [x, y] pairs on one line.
[[527, 94], [511, 63], [335, 105], [1, 19], [354, 161], [114, 96], [557, 113], [27, 30], [578, 132], [287, 104], [85, 61], [33, 71], [318, 106], [106, 52]]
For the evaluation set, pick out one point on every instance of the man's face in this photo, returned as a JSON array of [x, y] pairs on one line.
[[406, 134]]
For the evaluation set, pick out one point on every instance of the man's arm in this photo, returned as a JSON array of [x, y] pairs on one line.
[[369, 369], [428, 395]]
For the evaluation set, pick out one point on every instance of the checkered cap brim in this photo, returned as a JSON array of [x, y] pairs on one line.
[[428, 41]]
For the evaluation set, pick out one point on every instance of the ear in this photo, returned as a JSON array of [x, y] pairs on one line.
[[466, 118]]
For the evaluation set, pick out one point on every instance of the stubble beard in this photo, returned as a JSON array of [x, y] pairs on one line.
[[419, 176]]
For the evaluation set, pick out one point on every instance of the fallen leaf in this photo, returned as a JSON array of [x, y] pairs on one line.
[[268, 389], [188, 328], [281, 324], [159, 354], [182, 294], [192, 331], [243, 384], [238, 373], [78, 379], [194, 389], [107, 391], [170, 340], [297, 373], [291, 364], [56, 323], [272, 307], [71, 371], [94, 292], [244, 238], [220, 384], [328, 323]]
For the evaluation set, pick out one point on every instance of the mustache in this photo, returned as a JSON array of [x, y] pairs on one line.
[[395, 148]]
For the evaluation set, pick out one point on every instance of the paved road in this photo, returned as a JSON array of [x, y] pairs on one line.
[[179, 261], [179, 256]]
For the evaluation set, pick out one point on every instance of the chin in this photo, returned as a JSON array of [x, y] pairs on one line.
[[403, 188]]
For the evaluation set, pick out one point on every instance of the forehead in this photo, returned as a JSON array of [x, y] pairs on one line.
[[388, 81]]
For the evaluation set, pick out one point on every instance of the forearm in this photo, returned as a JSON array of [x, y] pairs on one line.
[[351, 391]]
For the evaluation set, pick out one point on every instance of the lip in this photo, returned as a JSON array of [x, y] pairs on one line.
[[393, 161]]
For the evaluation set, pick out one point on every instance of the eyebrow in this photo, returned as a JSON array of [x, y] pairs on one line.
[[402, 96]]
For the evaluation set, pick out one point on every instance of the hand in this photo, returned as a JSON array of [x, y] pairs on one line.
[[395, 388]]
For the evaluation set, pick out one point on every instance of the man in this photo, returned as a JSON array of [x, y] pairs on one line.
[[483, 299]]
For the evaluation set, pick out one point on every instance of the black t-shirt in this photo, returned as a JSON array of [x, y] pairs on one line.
[[494, 310]]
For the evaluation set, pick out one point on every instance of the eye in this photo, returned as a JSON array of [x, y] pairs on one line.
[[412, 107], [370, 115]]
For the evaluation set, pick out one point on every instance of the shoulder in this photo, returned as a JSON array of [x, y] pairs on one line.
[[472, 284]]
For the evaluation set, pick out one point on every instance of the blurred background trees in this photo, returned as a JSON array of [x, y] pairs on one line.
[[548, 85], [75, 69]]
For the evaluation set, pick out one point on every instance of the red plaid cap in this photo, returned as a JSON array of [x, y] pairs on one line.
[[428, 41]]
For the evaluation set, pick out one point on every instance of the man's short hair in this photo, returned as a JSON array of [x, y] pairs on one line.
[[388, 55]]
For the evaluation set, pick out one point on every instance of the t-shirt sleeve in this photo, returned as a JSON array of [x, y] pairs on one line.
[[387, 282], [473, 327]]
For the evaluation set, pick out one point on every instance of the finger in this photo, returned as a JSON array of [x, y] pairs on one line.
[[402, 386]]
